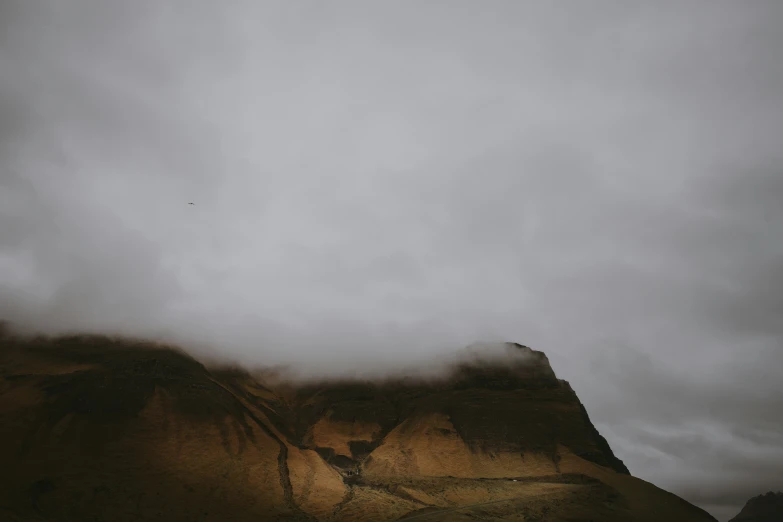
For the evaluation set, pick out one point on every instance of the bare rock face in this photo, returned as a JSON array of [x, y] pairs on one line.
[[95, 428], [763, 508], [500, 406]]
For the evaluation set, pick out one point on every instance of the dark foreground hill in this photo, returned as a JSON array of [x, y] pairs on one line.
[[763, 508], [99, 429]]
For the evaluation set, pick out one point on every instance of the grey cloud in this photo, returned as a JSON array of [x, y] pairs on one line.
[[377, 184], [755, 305], [73, 268]]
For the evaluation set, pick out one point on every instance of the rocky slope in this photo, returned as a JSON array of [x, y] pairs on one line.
[[483, 420], [93, 428], [763, 508]]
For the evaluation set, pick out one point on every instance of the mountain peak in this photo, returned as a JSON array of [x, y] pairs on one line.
[[76, 411], [503, 366], [767, 507]]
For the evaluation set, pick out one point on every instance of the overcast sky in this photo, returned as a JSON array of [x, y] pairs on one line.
[[376, 182]]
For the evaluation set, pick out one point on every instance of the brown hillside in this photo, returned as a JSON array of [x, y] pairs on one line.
[[94, 428]]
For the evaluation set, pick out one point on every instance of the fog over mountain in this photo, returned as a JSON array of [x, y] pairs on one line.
[[376, 184]]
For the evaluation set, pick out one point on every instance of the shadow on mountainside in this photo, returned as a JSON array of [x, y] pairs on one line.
[[100, 428]]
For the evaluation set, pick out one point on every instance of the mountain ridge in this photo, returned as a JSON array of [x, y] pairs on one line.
[[136, 430], [767, 507]]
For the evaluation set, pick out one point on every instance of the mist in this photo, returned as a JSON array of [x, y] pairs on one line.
[[376, 184]]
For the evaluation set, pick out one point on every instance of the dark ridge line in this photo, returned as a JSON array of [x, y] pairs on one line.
[[282, 456], [614, 461]]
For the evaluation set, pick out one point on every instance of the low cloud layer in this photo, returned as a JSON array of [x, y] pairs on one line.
[[379, 184]]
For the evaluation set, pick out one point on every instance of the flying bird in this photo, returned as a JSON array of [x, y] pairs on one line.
[[191, 203]]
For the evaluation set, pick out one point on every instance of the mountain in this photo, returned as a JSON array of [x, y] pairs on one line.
[[763, 508], [103, 429]]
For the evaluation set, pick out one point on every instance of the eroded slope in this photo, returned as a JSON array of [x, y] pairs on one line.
[[94, 428]]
